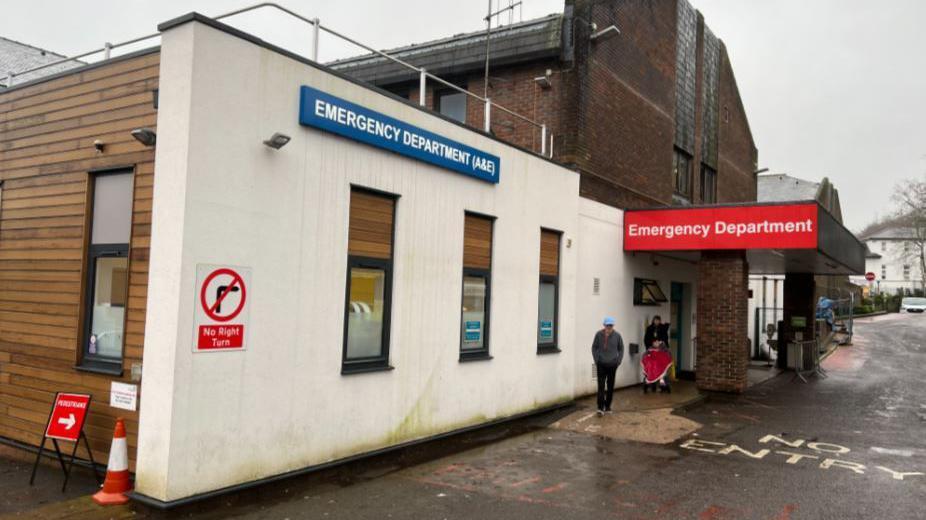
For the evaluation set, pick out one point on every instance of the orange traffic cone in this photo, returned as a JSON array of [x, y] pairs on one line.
[[117, 481]]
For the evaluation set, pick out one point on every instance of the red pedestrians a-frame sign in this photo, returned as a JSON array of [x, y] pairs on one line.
[[67, 417], [66, 423]]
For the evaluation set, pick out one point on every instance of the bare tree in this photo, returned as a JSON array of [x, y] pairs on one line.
[[910, 198]]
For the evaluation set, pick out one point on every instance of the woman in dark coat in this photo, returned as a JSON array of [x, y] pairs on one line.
[[656, 331], [656, 338]]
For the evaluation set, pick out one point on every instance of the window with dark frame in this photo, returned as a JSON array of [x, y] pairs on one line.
[[107, 271], [369, 281], [548, 292], [647, 292], [451, 103], [477, 287], [681, 174], [404, 91], [708, 184]]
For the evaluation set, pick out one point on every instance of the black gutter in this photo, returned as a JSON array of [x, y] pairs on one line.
[[171, 504]]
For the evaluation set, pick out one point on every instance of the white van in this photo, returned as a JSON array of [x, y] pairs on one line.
[[913, 305]]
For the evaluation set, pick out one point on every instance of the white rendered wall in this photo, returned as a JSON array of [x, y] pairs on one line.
[[221, 197], [601, 255]]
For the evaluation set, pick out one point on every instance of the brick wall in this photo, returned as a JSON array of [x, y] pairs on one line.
[[626, 94], [513, 88], [612, 111], [723, 284]]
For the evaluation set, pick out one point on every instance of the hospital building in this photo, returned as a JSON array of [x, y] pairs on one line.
[[294, 263]]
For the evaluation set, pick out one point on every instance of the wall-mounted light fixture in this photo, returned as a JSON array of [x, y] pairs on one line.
[[145, 136], [277, 140], [544, 81], [604, 34], [99, 145]]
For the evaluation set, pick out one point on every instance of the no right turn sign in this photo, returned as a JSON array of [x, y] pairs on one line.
[[221, 316]]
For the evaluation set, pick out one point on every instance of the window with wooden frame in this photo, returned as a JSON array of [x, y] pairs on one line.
[[107, 268], [369, 281], [477, 287], [548, 308]]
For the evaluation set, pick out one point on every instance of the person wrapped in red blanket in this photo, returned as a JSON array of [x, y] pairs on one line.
[[656, 360]]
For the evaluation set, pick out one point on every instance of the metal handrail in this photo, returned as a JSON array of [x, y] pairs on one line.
[[317, 26]]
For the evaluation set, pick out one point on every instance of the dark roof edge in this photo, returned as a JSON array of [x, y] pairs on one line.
[[729, 205], [396, 51], [196, 17], [452, 71], [78, 70]]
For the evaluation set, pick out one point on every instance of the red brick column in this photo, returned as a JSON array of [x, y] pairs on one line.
[[722, 320]]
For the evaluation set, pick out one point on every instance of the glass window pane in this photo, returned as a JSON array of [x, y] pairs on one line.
[[108, 311], [474, 312], [547, 320], [453, 105], [365, 313], [112, 209]]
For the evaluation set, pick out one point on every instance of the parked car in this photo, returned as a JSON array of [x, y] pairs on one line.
[[913, 305]]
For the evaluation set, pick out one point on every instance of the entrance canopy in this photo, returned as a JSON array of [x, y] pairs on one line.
[[779, 238]]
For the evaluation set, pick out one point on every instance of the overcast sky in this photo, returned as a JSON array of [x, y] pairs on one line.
[[833, 88]]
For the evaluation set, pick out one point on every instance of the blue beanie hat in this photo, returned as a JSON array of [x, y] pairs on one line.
[[609, 321]]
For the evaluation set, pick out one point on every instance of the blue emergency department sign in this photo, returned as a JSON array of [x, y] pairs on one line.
[[333, 114]]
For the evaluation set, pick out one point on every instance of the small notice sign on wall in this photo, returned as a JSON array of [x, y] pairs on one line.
[[123, 395]]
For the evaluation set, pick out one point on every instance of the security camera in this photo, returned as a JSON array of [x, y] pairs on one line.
[[99, 145]]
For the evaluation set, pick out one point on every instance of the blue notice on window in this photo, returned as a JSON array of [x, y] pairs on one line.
[[546, 329], [472, 330], [333, 114]]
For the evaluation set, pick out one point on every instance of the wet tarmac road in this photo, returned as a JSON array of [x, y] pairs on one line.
[[852, 445]]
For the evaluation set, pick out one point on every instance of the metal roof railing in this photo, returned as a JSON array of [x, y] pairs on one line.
[[546, 139]]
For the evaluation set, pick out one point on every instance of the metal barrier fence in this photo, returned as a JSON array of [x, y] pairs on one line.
[[546, 138]]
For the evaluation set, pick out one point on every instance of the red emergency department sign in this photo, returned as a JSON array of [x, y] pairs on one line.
[[67, 417], [221, 315], [790, 226]]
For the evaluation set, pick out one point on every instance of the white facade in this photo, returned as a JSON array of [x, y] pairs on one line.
[[897, 269], [601, 256], [213, 420]]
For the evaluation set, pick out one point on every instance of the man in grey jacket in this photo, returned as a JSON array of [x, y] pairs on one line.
[[608, 352]]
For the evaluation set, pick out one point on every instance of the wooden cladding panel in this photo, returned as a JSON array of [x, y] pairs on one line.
[[46, 153], [371, 221], [477, 242], [549, 252]]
